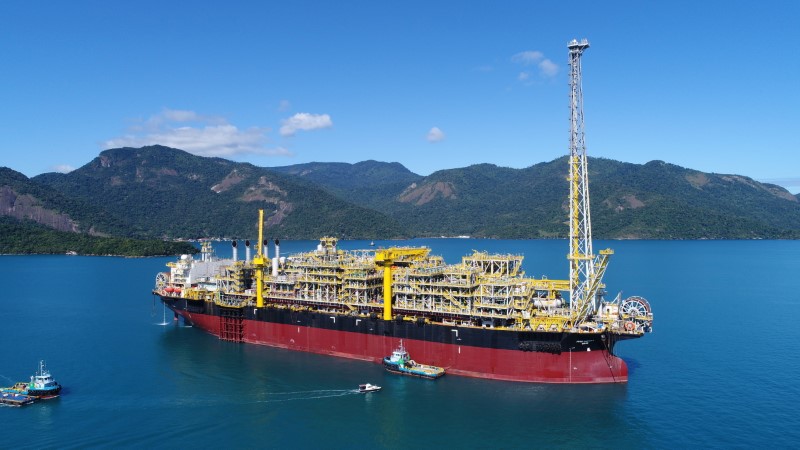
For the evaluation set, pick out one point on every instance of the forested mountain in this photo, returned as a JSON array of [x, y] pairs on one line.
[[29, 237], [35, 218], [167, 192], [163, 192], [22, 199], [654, 200], [367, 183]]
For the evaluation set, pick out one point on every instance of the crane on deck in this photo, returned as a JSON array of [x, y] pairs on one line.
[[386, 258]]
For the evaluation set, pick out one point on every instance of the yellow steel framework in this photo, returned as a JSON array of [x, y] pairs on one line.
[[386, 259], [482, 290]]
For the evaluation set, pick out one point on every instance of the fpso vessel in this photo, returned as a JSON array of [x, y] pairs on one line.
[[481, 317]]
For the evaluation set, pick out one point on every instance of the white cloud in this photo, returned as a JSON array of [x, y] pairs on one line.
[[527, 57], [435, 135], [63, 168], [197, 134], [168, 116], [548, 68], [284, 105], [179, 115], [306, 122]]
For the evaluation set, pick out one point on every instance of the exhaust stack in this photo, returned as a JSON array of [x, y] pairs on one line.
[[235, 251], [276, 259]]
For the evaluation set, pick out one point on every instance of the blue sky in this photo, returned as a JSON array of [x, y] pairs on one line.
[[712, 85]]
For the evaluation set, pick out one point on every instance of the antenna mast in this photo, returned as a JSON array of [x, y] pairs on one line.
[[581, 258]]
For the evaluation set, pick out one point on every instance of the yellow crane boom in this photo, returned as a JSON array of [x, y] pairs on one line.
[[258, 261], [387, 258]]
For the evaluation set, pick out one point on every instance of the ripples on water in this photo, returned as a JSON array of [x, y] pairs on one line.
[[719, 370]]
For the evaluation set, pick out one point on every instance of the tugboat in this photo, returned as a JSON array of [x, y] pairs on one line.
[[400, 362], [41, 386], [366, 388]]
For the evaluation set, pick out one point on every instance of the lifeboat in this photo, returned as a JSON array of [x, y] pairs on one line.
[[169, 289]]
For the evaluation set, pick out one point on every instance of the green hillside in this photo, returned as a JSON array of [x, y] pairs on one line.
[[167, 192], [36, 219], [653, 201], [86, 215], [27, 237], [366, 183], [160, 192]]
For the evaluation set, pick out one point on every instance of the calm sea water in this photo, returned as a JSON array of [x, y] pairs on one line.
[[720, 370]]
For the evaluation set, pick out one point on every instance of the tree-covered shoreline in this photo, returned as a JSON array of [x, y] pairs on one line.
[[30, 238]]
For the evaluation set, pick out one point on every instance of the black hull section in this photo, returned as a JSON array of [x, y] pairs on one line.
[[489, 338], [44, 392]]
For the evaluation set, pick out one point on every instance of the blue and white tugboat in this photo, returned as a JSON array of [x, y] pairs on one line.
[[400, 362], [41, 386]]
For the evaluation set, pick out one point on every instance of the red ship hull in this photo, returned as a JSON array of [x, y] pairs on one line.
[[574, 367]]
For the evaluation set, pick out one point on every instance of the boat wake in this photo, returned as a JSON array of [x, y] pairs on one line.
[[306, 395]]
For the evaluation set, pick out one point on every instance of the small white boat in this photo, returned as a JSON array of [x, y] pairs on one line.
[[365, 388]]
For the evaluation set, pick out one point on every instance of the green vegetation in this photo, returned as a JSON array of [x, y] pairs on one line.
[[367, 183], [26, 237], [166, 192], [651, 201], [83, 210], [160, 192]]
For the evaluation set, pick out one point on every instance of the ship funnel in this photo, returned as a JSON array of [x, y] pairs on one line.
[[276, 259], [247, 250], [235, 254]]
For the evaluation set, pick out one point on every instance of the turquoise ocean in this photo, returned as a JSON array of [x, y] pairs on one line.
[[721, 368]]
